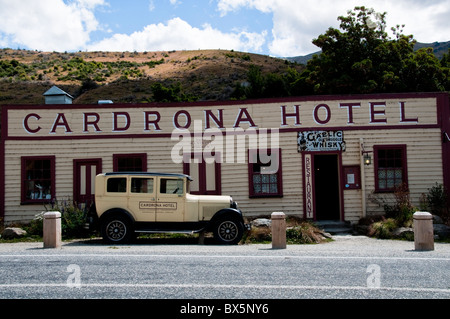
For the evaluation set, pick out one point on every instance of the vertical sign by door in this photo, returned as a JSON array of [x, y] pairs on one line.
[[309, 197]]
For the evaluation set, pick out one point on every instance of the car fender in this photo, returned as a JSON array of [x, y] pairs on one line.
[[116, 211], [226, 212]]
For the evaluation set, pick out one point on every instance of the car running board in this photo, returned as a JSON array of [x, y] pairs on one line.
[[166, 231]]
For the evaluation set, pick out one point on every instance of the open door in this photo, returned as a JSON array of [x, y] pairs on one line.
[[321, 187], [326, 187]]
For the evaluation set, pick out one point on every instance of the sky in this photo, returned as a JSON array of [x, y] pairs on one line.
[[281, 28]]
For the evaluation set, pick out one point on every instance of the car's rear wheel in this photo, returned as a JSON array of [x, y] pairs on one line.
[[228, 231], [117, 230]]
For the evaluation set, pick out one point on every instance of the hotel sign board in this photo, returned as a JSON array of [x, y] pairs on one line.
[[321, 141]]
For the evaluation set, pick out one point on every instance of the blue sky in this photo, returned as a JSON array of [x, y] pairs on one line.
[[272, 27]]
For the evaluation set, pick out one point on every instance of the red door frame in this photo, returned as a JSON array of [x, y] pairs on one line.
[[310, 189], [191, 158], [77, 163]]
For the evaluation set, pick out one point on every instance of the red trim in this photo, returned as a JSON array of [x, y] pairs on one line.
[[340, 171], [444, 115], [351, 169], [279, 173], [4, 129], [23, 197], [187, 160], [77, 177], [401, 147], [142, 156], [311, 98]]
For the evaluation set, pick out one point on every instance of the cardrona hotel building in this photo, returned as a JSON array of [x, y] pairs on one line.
[[318, 157]]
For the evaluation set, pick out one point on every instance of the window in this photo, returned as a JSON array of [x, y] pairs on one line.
[[38, 179], [390, 167], [171, 186], [142, 185], [116, 185], [130, 162], [206, 175], [265, 177]]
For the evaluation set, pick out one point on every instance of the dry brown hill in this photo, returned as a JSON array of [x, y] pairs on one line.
[[126, 77]]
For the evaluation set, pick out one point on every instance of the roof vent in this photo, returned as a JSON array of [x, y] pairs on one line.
[[105, 102]]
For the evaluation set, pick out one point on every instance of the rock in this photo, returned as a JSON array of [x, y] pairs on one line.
[[13, 232], [441, 230], [403, 232], [437, 220], [261, 222]]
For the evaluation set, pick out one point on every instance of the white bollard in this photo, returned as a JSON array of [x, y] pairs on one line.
[[423, 231], [52, 230], [278, 230]]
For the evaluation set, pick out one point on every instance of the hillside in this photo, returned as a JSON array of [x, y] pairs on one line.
[[439, 49], [126, 77]]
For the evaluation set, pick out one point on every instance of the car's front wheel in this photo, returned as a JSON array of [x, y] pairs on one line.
[[117, 230], [228, 231]]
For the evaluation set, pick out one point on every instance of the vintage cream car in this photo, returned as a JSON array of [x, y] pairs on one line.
[[129, 203]]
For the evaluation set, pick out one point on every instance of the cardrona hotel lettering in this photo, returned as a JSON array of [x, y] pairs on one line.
[[322, 114]]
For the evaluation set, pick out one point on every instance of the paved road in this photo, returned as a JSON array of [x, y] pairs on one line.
[[350, 267]]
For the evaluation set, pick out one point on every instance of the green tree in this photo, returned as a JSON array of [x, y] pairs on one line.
[[173, 93], [360, 57], [445, 65]]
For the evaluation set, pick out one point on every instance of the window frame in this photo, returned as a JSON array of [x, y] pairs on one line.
[[117, 157], [404, 160], [252, 173], [24, 179]]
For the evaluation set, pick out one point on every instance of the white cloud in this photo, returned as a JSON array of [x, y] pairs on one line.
[[174, 2], [48, 24], [297, 23], [177, 34], [151, 5]]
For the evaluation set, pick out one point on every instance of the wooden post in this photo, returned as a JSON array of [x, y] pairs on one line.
[[52, 230], [423, 231], [278, 230]]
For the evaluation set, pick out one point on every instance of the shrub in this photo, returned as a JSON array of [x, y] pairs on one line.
[[297, 232], [258, 235], [437, 201], [398, 208], [35, 227], [304, 233], [383, 229], [73, 219]]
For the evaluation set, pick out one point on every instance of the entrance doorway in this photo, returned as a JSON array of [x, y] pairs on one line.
[[326, 187]]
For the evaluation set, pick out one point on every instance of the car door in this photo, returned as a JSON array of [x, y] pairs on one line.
[[142, 198], [170, 199]]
